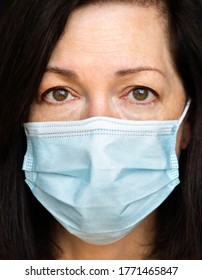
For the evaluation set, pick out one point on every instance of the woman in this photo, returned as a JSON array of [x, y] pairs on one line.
[[103, 90]]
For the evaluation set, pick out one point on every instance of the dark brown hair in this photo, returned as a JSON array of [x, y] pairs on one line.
[[29, 32]]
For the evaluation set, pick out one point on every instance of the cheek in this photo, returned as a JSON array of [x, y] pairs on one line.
[[33, 115], [38, 113]]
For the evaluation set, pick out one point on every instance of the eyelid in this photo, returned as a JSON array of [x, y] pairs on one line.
[[55, 88], [152, 96], [143, 87], [47, 95], [125, 92]]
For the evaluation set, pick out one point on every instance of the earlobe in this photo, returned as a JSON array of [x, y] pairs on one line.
[[186, 135]]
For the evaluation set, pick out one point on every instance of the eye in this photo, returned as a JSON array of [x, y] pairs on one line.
[[141, 94], [57, 95]]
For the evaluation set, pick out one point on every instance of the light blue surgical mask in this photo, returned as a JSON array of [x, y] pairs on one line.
[[100, 177]]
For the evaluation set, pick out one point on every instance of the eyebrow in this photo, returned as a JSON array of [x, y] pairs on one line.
[[61, 71], [129, 71], [124, 72]]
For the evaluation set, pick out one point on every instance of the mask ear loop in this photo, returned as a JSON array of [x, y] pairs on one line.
[[184, 112]]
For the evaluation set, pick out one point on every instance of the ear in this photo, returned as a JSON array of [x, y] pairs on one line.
[[186, 135]]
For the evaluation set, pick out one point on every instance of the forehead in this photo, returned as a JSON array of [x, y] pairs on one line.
[[115, 33]]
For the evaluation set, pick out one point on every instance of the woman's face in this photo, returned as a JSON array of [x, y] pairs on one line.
[[112, 60]]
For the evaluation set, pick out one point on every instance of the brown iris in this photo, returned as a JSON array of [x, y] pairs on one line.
[[141, 94], [60, 94]]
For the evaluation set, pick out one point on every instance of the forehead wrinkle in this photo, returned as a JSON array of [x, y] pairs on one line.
[[78, 52], [102, 27]]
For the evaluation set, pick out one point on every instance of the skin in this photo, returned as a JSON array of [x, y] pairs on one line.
[[112, 60]]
